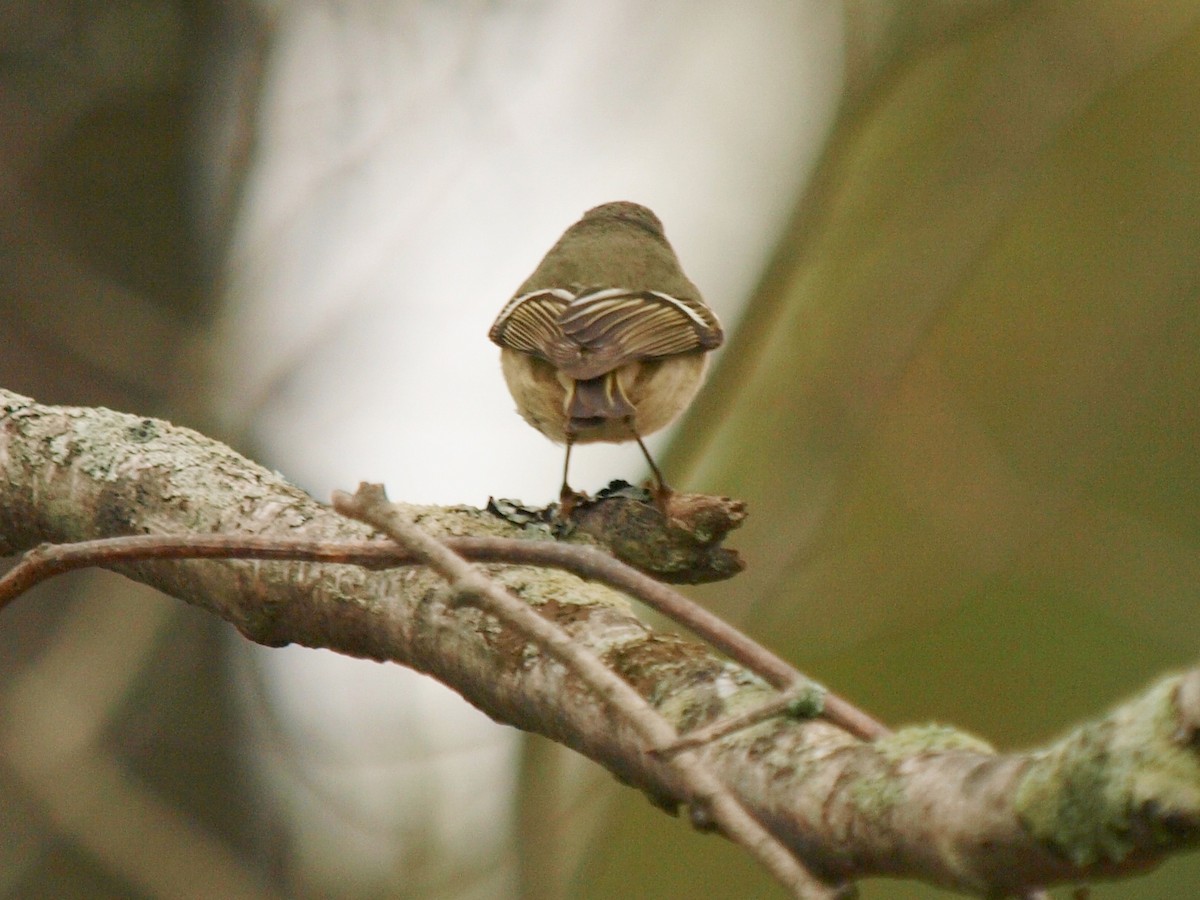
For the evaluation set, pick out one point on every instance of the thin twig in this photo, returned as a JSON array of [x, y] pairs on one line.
[[48, 560], [370, 505]]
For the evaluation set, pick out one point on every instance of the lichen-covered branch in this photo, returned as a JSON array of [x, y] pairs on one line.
[[1112, 798]]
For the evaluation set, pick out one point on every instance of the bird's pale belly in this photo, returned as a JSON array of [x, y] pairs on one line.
[[659, 390]]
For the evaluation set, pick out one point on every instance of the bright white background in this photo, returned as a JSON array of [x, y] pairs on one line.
[[414, 161]]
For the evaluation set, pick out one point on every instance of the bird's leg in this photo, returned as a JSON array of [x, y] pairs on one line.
[[662, 493], [567, 498]]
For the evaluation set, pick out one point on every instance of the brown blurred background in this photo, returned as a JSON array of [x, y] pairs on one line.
[[962, 405]]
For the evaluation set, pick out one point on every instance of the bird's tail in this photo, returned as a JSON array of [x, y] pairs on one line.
[[597, 400]]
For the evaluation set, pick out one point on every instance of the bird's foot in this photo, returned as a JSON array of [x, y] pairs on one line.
[[567, 501], [661, 494]]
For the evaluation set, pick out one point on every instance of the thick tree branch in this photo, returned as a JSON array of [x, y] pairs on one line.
[[1110, 799], [805, 699]]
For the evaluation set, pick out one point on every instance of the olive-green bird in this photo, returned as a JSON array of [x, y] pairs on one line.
[[607, 340]]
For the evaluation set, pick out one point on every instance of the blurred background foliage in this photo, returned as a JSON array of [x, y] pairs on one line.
[[962, 407]]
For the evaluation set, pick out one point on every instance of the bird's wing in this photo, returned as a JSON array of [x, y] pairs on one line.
[[590, 332], [529, 323], [614, 326]]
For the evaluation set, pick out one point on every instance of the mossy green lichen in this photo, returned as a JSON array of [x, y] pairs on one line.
[[930, 738], [1112, 786], [876, 795], [808, 703]]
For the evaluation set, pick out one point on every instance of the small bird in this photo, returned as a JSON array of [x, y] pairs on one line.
[[607, 340]]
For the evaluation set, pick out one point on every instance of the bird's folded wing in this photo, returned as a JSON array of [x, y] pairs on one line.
[[613, 326], [529, 323], [594, 331]]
